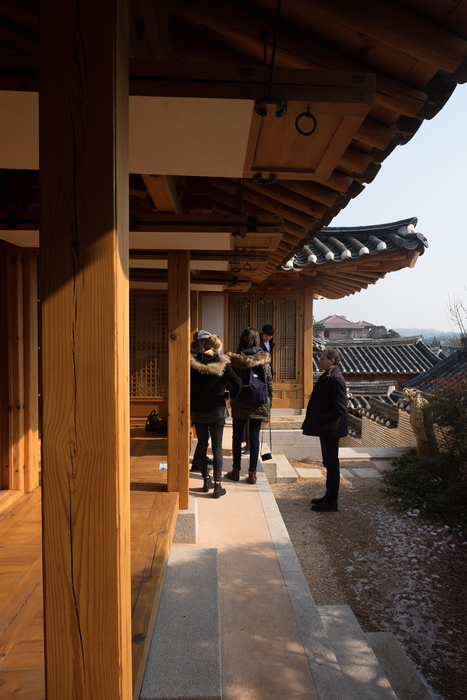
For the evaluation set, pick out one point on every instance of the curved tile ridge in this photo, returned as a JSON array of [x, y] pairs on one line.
[[334, 244]]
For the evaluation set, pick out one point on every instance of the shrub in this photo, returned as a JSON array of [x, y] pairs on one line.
[[437, 487]]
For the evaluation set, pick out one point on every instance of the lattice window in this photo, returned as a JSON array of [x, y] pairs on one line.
[[239, 320], [264, 313], [148, 345], [286, 341]]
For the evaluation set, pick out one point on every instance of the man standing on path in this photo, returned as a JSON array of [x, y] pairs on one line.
[[266, 340], [326, 417]]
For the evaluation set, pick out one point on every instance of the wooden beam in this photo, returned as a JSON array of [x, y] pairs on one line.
[[85, 353], [163, 193], [241, 31], [31, 372], [178, 431]]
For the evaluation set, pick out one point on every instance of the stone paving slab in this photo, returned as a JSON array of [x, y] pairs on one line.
[[367, 472], [304, 473]]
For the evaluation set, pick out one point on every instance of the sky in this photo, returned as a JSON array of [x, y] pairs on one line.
[[426, 179]]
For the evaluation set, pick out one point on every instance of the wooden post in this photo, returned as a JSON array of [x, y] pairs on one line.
[[84, 270], [4, 422], [15, 334], [31, 373], [308, 346], [194, 305], [178, 430]]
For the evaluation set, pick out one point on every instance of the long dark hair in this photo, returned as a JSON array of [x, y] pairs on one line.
[[248, 339]]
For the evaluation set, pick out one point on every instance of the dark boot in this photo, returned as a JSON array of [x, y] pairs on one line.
[[325, 507], [318, 500], [252, 477], [207, 484], [218, 490]]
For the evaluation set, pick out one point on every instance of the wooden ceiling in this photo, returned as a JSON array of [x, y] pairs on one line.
[[368, 72]]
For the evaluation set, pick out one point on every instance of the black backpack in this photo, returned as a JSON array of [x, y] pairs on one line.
[[255, 386]]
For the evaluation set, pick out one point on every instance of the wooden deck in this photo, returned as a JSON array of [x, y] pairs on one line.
[[153, 518]]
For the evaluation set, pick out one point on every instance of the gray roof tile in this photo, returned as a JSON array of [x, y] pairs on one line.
[[341, 244]]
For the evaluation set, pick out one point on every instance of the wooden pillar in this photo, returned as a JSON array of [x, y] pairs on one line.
[[4, 423], [83, 119], [308, 346], [31, 373], [178, 430], [194, 306], [15, 334]]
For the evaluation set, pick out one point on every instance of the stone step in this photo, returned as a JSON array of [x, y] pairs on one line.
[[184, 661], [286, 422], [401, 673], [365, 677], [278, 469]]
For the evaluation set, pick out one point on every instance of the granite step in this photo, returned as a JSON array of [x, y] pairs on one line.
[[184, 661], [375, 665], [399, 669]]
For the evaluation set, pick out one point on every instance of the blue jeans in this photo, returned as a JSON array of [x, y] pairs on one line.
[[237, 438]]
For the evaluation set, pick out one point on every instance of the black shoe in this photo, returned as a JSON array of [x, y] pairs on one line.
[[218, 490], [318, 500], [207, 484], [325, 507]]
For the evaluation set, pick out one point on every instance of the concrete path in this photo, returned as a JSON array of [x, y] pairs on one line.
[[262, 651]]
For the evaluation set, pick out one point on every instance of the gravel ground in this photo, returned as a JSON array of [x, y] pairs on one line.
[[398, 573]]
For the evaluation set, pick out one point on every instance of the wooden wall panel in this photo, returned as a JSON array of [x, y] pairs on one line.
[[307, 345], [31, 376], [178, 429], [15, 333], [4, 423], [84, 275]]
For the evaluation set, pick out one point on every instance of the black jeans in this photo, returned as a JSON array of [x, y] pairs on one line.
[[195, 462], [202, 431], [237, 438], [330, 453]]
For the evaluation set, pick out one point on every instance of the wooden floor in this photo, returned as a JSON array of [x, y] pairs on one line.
[[153, 517]]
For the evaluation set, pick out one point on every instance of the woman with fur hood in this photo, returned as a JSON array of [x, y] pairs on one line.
[[211, 375], [250, 355]]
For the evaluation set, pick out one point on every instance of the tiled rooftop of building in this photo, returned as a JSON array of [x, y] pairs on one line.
[[379, 358], [452, 367]]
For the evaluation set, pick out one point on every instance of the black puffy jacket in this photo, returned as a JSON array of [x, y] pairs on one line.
[[211, 375]]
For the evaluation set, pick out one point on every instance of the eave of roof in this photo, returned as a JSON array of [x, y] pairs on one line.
[[342, 244]]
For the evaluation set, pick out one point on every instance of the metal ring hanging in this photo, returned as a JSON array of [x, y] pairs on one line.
[[252, 254], [261, 103], [308, 115], [264, 180], [247, 267]]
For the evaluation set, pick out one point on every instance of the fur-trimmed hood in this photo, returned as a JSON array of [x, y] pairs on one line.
[[242, 362], [213, 365]]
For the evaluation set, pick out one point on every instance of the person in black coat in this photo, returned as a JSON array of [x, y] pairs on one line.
[[266, 340], [211, 376], [249, 356], [326, 417], [196, 347]]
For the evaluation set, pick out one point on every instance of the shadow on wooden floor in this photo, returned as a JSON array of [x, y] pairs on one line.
[[153, 518]]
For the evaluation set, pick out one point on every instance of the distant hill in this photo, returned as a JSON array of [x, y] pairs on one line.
[[425, 332]]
